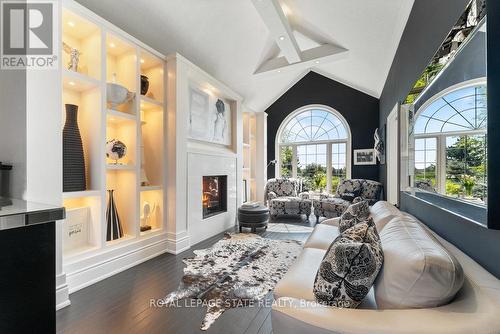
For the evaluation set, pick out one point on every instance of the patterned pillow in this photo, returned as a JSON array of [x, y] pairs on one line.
[[356, 213], [349, 267]]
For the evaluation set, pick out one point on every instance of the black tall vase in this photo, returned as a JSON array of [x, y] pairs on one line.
[[73, 158], [114, 226]]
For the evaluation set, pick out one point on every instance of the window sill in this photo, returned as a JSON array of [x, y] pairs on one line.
[[477, 214]]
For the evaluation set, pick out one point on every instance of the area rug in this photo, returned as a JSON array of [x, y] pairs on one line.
[[238, 270]]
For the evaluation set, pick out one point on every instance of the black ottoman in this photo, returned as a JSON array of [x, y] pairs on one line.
[[253, 217]]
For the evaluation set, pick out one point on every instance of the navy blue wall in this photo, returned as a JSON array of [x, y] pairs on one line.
[[359, 109]]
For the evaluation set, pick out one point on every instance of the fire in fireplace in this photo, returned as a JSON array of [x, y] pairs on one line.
[[214, 198]]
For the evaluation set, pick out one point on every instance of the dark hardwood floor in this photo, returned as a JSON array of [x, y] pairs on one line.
[[121, 303]]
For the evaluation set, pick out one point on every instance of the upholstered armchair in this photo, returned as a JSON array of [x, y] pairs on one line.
[[333, 205], [283, 197]]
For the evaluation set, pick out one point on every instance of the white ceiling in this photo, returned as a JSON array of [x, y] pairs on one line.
[[228, 39]]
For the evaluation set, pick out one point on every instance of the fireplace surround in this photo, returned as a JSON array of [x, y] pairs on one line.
[[214, 195]]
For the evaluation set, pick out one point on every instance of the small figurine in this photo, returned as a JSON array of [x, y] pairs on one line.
[[74, 57]]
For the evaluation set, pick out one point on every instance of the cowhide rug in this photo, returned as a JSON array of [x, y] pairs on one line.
[[238, 269]]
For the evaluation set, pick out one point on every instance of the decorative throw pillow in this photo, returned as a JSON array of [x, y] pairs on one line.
[[356, 213], [349, 267]]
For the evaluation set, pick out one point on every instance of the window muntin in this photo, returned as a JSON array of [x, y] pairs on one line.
[[456, 161], [339, 164], [313, 125], [461, 110], [426, 159], [312, 144]]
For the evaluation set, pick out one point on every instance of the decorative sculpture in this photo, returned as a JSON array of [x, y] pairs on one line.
[[74, 57], [73, 155], [114, 227]]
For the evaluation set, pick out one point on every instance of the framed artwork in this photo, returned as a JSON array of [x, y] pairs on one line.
[[209, 118], [365, 157], [198, 113]]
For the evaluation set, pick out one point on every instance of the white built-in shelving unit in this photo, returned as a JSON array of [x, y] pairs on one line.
[[254, 154], [109, 54], [249, 155]]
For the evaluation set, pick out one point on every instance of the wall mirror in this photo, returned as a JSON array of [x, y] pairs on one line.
[[443, 123]]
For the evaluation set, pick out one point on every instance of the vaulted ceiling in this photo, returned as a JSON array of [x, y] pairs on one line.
[[232, 40]]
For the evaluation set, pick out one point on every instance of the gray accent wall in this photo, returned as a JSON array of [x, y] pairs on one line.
[[429, 23], [13, 128]]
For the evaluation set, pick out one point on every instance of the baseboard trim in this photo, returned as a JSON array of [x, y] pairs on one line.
[[92, 274], [178, 242], [62, 292]]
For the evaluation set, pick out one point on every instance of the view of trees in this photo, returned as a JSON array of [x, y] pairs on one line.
[[465, 168], [313, 175]]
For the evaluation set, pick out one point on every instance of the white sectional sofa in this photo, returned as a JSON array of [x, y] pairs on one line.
[[474, 309]]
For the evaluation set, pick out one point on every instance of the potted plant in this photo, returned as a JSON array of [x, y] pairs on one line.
[[468, 183]]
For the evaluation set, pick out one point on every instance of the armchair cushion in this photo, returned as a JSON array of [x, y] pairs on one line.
[[271, 195], [349, 267], [371, 191], [289, 206], [350, 186], [304, 195], [330, 207], [350, 196], [356, 213]]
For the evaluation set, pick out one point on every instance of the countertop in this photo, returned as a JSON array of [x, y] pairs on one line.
[[16, 213]]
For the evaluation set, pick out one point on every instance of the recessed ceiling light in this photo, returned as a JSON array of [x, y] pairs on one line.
[[316, 62], [111, 119], [279, 71], [282, 38], [142, 61], [112, 45], [71, 83], [71, 23]]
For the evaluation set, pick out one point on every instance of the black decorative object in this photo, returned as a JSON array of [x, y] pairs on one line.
[[114, 226], [73, 157], [144, 84], [4, 180]]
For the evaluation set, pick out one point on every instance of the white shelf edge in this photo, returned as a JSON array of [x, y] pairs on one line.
[[119, 167], [126, 237], [149, 188], [152, 231], [79, 194], [81, 77], [151, 101], [121, 114]]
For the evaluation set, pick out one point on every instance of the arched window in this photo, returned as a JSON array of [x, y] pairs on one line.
[[312, 143], [450, 142]]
